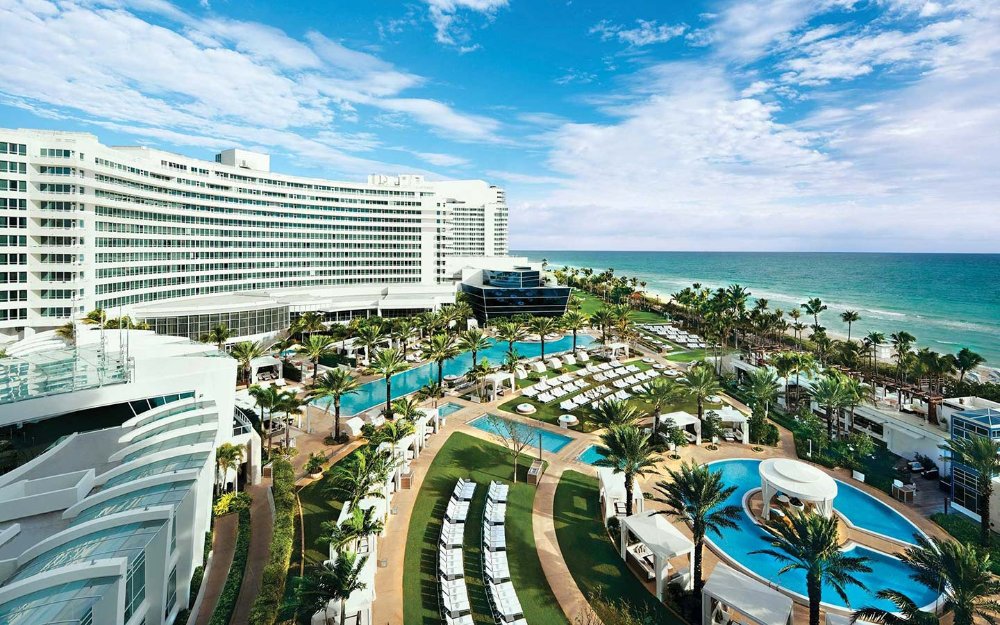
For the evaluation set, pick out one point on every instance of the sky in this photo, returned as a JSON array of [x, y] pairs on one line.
[[649, 125]]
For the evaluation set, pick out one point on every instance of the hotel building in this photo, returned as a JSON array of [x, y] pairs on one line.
[[185, 243]]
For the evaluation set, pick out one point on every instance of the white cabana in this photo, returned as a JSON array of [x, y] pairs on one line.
[[658, 542], [684, 420], [495, 381], [612, 350], [538, 366], [568, 359], [555, 363], [797, 479], [352, 427], [265, 362], [728, 591], [582, 355], [611, 489], [730, 415]]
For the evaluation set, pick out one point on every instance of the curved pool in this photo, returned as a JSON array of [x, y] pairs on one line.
[[372, 393], [863, 510]]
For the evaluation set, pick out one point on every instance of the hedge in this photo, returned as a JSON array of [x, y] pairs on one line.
[[272, 590], [231, 591]]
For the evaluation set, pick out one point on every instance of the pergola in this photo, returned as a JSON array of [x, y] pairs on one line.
[[728, 414], [658, 542], [263, 362], [612, 349], [611, 487], [728, 591], [683, 420], [797, 479], [495, 381]]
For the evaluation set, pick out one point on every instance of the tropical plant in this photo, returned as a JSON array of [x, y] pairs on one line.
[[245, 352], [811, 543], [267, 398], [332, 581], [814, 307], [334, 386], [611, 412], [626, 450], [67, 332], [218, 335], [543, 326], [364, 476], [315, 346], [982, 455], [604, 320], [510, 331], [362, 522], [574, 321], [699, 383], [830, 394], [965, 361], [368, 336], [387, 363], [473, 340], [697, 495], [849, 317], [228, 457], [407, 408], [762, 389], [315, 463], [439, 348], [660, 393], [309, 322], [872, 341], [288, 404], [431, 390]]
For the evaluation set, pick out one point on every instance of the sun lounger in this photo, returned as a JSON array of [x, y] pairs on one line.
[[567, 405], [559, 392], [622, 395], [545, 398], [604, 366], [564, 378], [619, 383], [582, 373], [498, 491], [543, 386], [555, 363], [529, 391], [464, 490]]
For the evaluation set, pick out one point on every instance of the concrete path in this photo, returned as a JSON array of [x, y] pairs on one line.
[[223, 548], [261, 530]]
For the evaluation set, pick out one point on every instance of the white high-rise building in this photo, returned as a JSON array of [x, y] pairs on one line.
[[186, 243]]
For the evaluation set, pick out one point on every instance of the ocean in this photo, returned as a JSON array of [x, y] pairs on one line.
[[947, 301]]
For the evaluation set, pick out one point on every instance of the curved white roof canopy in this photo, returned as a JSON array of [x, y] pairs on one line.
[[797, 479]]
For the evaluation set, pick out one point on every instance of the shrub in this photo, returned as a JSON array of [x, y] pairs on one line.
[[196, 578], [265, 607], [315, 463], [231, 591], [182, 617], [231, 502]]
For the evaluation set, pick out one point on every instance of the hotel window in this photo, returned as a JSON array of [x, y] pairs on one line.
[[965, 489], [88, 618], [135, 585], [171, 593], [21, 149]]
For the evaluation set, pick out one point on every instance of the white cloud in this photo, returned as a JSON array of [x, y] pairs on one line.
[[442, 160], [645, 33], [445, 15], [575, 76]]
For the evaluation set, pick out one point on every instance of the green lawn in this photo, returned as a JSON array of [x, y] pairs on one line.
[[591, 304], [689, 355], [592, 559], [966, 531], [466, 456]]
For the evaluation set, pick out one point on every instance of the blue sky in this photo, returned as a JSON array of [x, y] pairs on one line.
[[727, 124]]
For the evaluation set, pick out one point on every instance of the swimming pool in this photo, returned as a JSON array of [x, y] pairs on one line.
[[449, 408], [590, 455], [551, 442], [864, 512], [372, 393]]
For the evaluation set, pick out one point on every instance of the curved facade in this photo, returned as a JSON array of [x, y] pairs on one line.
[[86, 225]]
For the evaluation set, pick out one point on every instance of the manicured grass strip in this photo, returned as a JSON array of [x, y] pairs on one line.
[[269, 600], [966, 531], [469, 457], [591, 304], [231, 591], [592, 559]]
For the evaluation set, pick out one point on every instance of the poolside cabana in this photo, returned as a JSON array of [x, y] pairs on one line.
[[736, 420], [732, 597], [684, 420], [612, 350], [495, 381], [269, 364], [538, 366], [352, 427], [611, 489], [795, 479], [658, 542]]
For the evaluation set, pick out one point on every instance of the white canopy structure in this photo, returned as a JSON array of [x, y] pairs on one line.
[[658, 542], [730, 415], [728, 591], [799, 480], [684, 420], [495, 381], [611, 487], [264, 362], [611, 350]]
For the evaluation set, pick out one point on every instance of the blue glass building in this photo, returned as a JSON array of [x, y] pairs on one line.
[[503, 293], [964, 479]]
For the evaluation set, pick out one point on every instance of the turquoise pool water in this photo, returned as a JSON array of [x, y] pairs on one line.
[[373, 393], [551, 442], [590, 455], [449, 408], [886, 571]]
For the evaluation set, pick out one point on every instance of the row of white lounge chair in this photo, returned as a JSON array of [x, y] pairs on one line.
[[622, 377], [454, 594], [504, 604], [677, 336], [554, 363]]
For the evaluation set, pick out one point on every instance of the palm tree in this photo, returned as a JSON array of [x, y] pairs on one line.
[[473, 340], [267, 399], [332, 581], [218, 335], [402, 332], [626, 449], [227, 457], [814, 307], [849, 317], [966, 360], [901, 344], [440, 348], [980, 454], [542, 326], [700, 382], [67, 332], [795, 314], [310, 322], [99, 317], [811, 543], [611, 412], [288, 403], [387, 363], [315, 346], [407, 408], [697, 495], [762, 389], [510, 332], [575, 321], [334, 385], [960, 571], [431, 390], [358, 479], [245, 352], [660, 392], [361, 523], [873, 340], [829, 393], [856, 393], [603, 320], [368, 336]]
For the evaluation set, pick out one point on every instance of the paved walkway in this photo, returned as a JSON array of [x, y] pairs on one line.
[[261, 530], [223, 548]]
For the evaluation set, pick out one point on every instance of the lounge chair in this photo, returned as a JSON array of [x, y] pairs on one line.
[[545, 398], [529, 391], [567, 405]]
